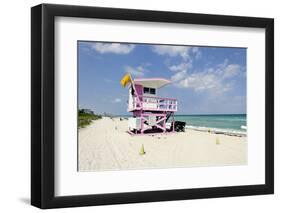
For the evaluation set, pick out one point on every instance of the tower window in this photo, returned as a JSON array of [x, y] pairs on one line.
[[147, 90], [152, 91]]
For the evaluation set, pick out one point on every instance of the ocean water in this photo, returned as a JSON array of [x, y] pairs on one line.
[[226, 123]]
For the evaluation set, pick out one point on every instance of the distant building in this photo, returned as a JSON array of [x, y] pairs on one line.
[[88, 111], [107, 114]]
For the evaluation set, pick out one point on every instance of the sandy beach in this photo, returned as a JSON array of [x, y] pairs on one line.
[[105, 145]]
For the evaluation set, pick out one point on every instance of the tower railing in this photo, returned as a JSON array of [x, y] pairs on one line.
[[151, 103]]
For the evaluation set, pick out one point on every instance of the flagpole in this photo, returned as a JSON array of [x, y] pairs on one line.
[[133, 85]]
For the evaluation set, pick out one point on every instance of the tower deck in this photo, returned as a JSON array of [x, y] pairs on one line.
[[153, 104]]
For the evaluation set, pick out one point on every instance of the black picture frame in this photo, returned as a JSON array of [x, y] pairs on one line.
[[43, 102]]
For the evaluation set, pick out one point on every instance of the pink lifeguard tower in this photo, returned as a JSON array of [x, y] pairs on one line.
[[150, 112]]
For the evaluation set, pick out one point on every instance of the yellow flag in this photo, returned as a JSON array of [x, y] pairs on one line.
[[125, 80]]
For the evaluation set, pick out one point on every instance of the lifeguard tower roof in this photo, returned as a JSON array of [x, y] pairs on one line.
[[152, 82]]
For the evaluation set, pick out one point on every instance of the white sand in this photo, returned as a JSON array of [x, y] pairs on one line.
[[105, 145]]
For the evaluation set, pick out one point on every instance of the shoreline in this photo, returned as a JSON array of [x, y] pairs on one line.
[[105, 145], [228, 132]]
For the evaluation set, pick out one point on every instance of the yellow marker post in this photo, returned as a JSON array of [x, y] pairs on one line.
[[217, 141], [142, 152]]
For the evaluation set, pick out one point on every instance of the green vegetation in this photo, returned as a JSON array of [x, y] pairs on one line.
[[85, 118]]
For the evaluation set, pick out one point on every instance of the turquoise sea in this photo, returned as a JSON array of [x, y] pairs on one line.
[[227, 123]]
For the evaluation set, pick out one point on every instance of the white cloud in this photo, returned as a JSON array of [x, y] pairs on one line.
[[137, 71], [214, 80], [180, 67], [196, 52], [172, 50], [184, 51], [223, 65], [178, 76], [231, 70], [205, 82], [117, 100], [116, 48], [195, 49]]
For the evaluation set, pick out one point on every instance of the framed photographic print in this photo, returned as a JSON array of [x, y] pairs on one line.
[[139, 106]]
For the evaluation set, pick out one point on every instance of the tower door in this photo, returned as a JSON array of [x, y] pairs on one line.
[[131, 102]]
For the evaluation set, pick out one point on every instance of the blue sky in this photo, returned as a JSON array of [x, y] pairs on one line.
[[205, 80]]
